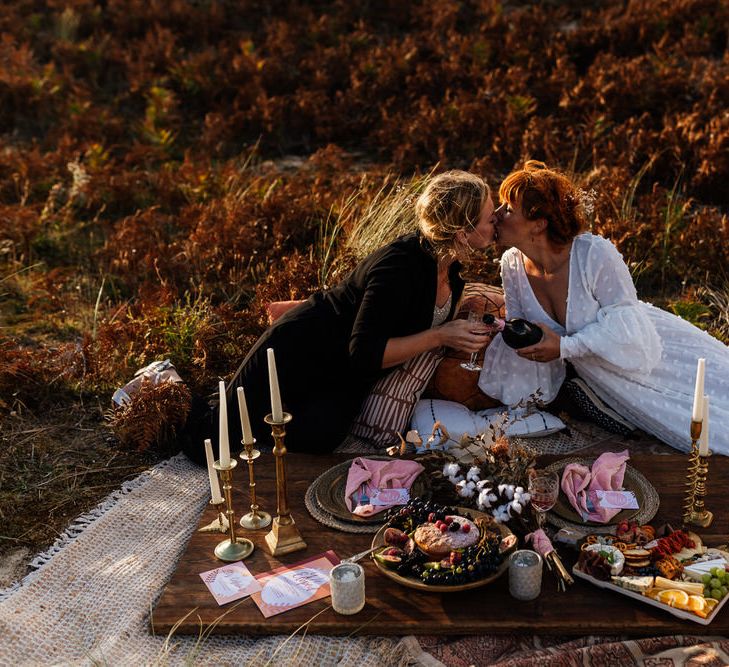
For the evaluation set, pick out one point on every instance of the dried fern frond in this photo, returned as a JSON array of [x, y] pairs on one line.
[[153, 415]]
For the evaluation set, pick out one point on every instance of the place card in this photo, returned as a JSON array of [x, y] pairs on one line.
[[230, 582], [387, 497], [292, 586], [616, 500]]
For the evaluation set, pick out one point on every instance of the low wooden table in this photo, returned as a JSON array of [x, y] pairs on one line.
[[395, 610]]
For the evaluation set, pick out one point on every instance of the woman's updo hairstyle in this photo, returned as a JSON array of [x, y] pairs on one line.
[[451, 202], [545, 193]]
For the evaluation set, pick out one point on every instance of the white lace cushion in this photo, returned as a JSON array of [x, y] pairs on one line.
[[459, 420]]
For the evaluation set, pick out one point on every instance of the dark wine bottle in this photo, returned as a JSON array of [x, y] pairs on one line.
[[517, 333]]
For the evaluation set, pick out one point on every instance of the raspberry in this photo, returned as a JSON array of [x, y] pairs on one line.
[[449, 520], [431, 517], [466, 527], [443, 528]]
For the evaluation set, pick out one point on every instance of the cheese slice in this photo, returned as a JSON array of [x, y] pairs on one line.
[[638, 584], [698, 570]]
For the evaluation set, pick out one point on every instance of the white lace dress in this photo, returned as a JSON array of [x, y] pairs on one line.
[[639, 359]]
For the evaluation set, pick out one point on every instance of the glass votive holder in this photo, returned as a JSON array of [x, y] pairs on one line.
[[525, 574], [347, 582]]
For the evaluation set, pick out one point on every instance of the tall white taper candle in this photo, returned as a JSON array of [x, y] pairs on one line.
[[276, 409], [212, 474], [223, 433], [245, 422], [697, 413], [704, 438]]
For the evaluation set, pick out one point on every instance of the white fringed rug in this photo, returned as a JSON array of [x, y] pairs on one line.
[[88, 602]]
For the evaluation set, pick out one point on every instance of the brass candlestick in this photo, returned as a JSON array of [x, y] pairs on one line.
[[255, 519], [700, 516], [688, 504], [284, 536], [233, 548]]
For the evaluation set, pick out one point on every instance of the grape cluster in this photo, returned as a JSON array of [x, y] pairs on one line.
[[716, 583], [464, 566]]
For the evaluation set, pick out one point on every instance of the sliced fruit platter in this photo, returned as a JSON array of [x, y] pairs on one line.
[[675, 572], [437, 548]]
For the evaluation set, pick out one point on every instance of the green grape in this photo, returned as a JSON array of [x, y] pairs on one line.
[[706, 579], [724, 590], [722, 575], [716, 593], [713, 571], [715, 583]]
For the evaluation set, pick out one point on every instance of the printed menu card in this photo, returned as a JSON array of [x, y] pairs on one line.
[[230, 582], [292, 586]]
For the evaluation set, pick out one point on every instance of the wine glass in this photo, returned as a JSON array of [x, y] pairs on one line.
[[474, 316], [543, 490]]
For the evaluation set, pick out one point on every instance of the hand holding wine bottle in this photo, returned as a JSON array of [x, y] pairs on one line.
[[536, 342]]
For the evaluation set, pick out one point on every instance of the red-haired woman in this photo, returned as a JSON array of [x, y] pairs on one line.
[[638, 359]]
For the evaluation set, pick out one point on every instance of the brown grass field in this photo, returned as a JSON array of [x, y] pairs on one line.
[[167, 167]]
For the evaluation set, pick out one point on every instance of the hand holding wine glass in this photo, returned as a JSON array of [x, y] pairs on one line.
[[475, 317]]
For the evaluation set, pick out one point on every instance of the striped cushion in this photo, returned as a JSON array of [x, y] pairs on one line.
[[389, 406]]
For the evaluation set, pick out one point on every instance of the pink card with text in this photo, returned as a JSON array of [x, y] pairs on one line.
[[292, 586], [230, 582]]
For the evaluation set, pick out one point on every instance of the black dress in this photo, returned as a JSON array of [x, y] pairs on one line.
[[329, 349]]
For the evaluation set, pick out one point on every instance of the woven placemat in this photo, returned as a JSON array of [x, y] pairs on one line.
[[330, 521], [651, 500]]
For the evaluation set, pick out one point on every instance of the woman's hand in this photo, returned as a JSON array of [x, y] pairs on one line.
[[465, 336], [546, 349]]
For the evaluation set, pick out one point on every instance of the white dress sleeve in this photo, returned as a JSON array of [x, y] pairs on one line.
[[506, 376], [623, 336]]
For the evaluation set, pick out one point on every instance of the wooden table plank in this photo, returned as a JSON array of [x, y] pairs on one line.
[[395, 610]]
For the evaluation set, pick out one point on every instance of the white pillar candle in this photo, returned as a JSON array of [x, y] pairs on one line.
[[697, 413], [212, 474], [245, 422], [223, 432], [276, 409], [704, 438]]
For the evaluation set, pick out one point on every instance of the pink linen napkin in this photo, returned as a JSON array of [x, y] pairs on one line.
[[607, 474], [575, 479], [394, 474]]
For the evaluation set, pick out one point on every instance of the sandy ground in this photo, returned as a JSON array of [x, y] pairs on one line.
[[14, 566]]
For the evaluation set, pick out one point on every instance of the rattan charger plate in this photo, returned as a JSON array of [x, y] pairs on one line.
[[564, 516], [329, 489]]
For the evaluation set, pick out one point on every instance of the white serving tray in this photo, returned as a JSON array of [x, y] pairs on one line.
[[686, 615]]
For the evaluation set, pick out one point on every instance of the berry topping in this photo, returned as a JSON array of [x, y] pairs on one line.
[[449, 520], [466, 527], [443, 528]]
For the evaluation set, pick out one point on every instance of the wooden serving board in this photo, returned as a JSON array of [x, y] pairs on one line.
[[395, 610]]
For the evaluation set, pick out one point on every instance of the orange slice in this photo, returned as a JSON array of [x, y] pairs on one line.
[[674, 598], [710, 604], [696, 603]]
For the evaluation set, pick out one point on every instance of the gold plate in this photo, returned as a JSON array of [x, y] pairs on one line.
[[379, 540], [332, 484], [631, 482]]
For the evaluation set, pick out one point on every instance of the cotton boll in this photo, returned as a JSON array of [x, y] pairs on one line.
[[502, 488], [465, 489], [480, 485], [451, 470], [473, 474], [518, 490], [455, 480], [525, 498], [510, 491], [484, 499], [516, 507]]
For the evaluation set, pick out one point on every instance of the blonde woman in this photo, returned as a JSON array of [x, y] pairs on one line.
[[397, 304]]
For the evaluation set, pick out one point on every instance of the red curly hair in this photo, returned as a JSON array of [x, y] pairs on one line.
[[545, 193]]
